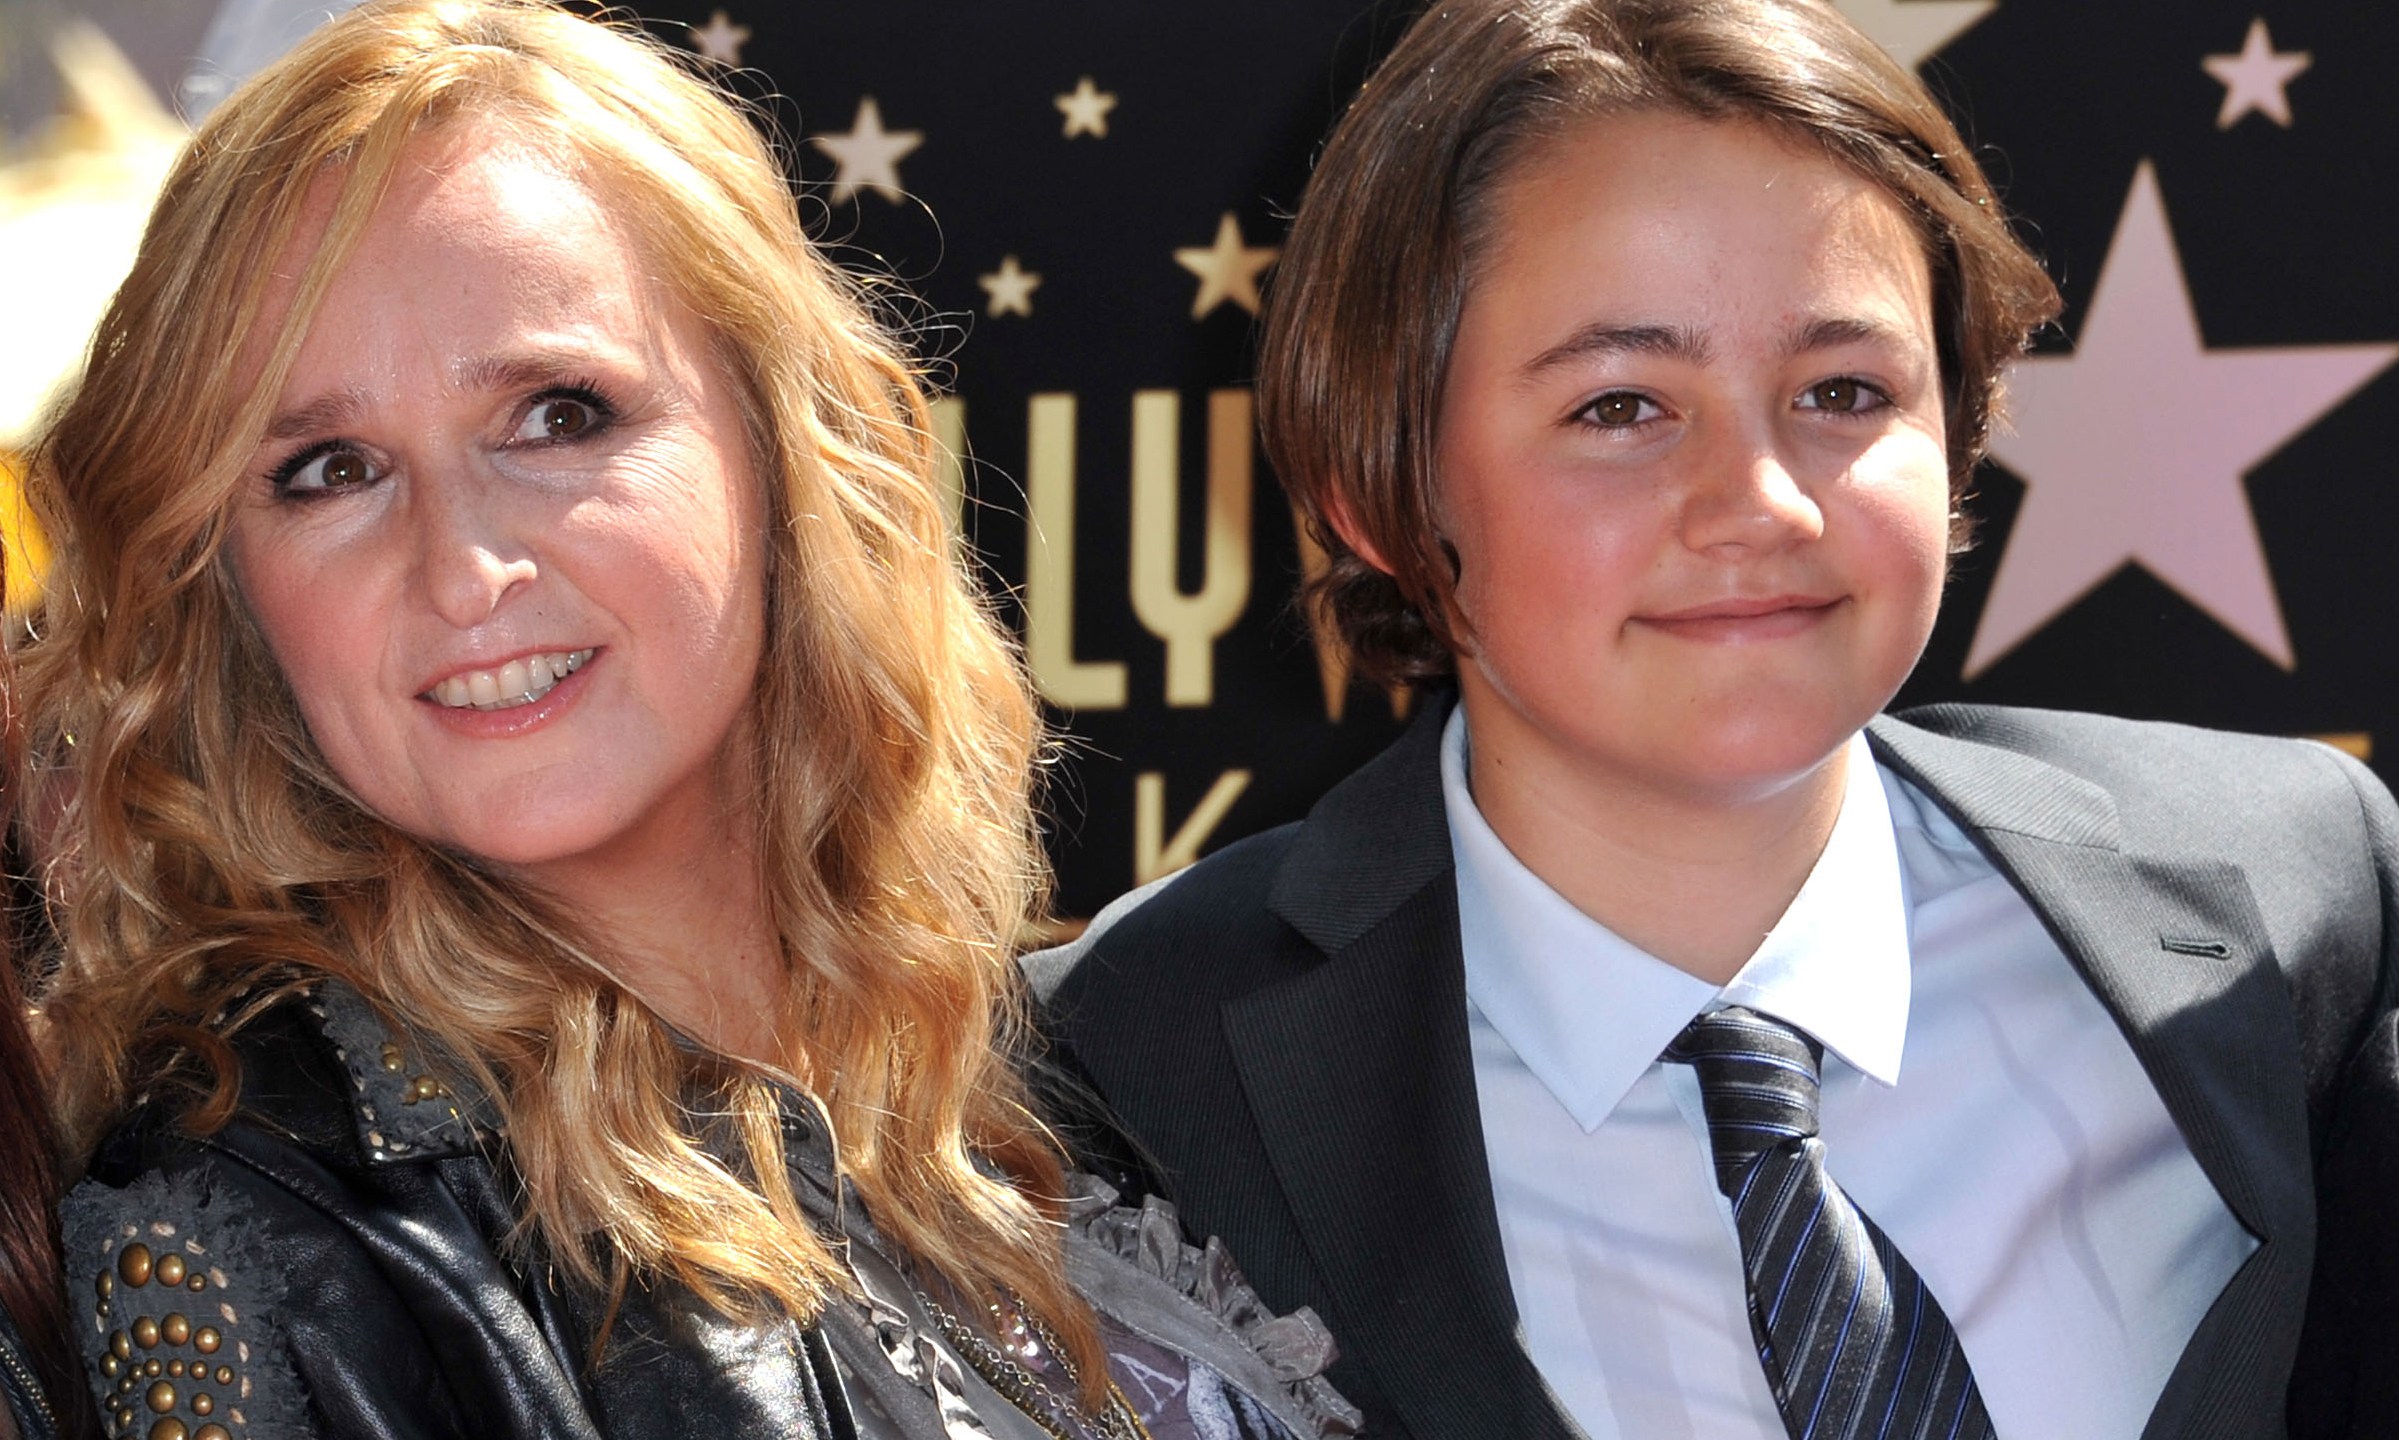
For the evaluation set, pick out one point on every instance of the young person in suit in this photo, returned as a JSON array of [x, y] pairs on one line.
[[1659, 1040]]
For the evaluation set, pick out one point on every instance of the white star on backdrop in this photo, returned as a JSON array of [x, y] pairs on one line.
[[2133, 448], [1086, 109], [721, 40], [869, 156], [1011, 289], [1228, 269], [1915, 30], [2258, 78]]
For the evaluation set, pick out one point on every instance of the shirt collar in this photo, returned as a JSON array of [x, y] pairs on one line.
[[1588, 1012]]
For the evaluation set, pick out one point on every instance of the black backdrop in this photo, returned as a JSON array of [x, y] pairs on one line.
[[2190, 523]]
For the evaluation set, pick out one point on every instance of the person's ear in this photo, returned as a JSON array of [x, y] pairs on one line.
[[1337, 514]]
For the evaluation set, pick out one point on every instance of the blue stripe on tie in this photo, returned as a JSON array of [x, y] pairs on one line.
[[1761, 1057], [1965, 1398], [1767, 1089], [1757, 1167], [1832, 1368], [1792, 1268], [1949, 1354], [1762, 1127], [1907, 1357]]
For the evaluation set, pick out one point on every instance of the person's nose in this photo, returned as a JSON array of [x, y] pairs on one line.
[[474, 548], [1745, 494]]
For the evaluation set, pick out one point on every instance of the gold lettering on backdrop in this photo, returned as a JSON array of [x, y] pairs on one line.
[[1050, 565], [1190, 623], [1332, 666], [949, 441], [1153, 854], [2358, 744]]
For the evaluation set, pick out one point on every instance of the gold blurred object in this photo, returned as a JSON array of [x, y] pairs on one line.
[[24, 554], [2357, 743], [73, 201]]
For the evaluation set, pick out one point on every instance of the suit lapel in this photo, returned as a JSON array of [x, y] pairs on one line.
[[1359, 1076], [1360, 1079], [2175, 949]]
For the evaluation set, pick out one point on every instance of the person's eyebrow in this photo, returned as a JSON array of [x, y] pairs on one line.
[[333, 411], [481, 374], [530, 370], [1606, 338], [1833, 332]]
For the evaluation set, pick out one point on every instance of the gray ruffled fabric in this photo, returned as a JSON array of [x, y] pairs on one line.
[[1294, 1350]]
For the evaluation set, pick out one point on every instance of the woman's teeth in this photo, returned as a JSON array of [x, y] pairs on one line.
[[519, 682]]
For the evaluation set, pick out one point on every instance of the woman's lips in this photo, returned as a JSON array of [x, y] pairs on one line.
[[547, 683], [521, 681], [1743, 620]]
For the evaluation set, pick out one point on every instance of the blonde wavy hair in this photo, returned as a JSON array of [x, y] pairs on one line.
[[209, 856]]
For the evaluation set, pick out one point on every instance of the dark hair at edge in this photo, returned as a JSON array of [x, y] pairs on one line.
[[1365, 302], [32, 1282]]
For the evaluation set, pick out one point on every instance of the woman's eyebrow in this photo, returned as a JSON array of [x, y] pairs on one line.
[[521, 370], [481, 374], [332, 411], [1606, 337]]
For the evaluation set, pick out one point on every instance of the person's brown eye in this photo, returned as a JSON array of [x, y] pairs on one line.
[[1616, 409], [562, 416], [564, 419], [329, 467], [1843, 395]]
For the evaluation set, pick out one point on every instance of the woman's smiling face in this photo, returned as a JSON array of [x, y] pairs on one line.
[[1691, 461], [504, 535]]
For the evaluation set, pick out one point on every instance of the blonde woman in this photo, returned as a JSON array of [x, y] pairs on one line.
[[550, 811]]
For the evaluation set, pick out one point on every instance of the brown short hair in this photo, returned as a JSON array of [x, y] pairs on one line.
[[1366, 300]]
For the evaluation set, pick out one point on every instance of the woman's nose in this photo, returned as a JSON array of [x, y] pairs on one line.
[[473, 553], [1748, 497]]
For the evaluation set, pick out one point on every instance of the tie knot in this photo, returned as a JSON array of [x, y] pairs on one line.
[[1757, 1080]]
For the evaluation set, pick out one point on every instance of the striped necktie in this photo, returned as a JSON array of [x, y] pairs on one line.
[[1854, 1345]]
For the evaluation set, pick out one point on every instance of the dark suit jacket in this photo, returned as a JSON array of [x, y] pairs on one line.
[[1284, 1027]]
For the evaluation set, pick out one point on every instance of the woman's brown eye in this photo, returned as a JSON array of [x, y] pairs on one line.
[[335, 468], [1618, 409], [562, 419], [558, 418]]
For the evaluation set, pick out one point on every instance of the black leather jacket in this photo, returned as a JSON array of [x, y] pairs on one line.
[[339, 1262]]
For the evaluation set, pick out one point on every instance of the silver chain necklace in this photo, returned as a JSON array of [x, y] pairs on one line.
[[1028, 1392]]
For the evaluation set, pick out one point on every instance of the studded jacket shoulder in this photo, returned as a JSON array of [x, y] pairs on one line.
[[337, 1263]]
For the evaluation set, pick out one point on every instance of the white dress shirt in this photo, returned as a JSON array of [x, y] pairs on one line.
[[2025, 1166]]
